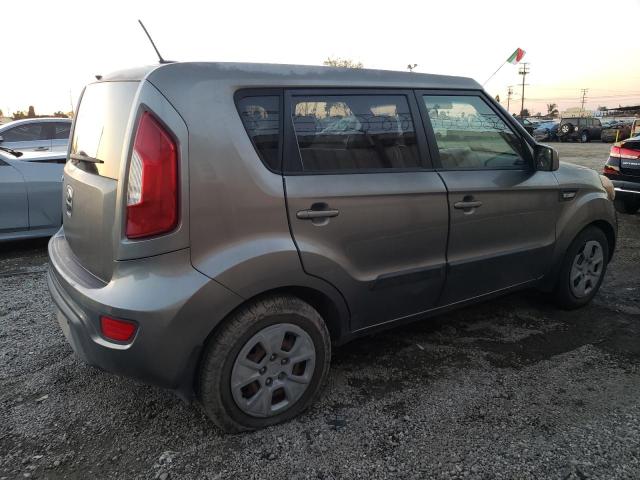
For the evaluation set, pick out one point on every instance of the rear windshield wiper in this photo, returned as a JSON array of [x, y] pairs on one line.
[[15, 153], [83, 157]]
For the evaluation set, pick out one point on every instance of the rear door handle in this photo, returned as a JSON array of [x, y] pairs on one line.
[[311, 214], [41, 149], [467, 205]]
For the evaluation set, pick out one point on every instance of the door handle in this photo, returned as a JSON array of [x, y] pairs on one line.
[[41, 149], [312, 214], [465, 205]]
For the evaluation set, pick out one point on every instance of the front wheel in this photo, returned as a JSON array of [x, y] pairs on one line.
[[268, 363], [583, 269], [584, 137]]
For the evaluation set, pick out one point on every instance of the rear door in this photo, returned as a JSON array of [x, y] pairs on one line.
[[367, 212], [60, 136], [503, 213], [14, 210]]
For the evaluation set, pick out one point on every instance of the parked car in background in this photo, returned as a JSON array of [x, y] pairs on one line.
[[615, 132], [623, 169], [527, 124], [546, 131], [36, 134], [584, 129], [635, 128], [30, 193], [220, 239]]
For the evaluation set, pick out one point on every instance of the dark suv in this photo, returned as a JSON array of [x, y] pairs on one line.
[[226, 224], [583, 129]]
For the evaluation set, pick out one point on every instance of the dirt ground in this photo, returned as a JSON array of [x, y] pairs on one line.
[[511, 389]]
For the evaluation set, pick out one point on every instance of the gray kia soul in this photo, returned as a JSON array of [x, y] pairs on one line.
[[225, 224]]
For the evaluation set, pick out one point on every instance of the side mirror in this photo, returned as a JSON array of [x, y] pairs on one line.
[[546, 158]]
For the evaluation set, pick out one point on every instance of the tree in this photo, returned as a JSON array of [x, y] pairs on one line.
[[602, 109], [19, 115], [60, 114], [1, 113], [498, 98], [32, 112], [525, 113], [552, 109], [342, 62], [539, 114]]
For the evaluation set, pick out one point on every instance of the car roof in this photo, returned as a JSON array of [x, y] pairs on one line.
[[23, 121], [281, 75]]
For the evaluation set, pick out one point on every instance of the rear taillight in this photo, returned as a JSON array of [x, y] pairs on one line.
[[118, 330], [152, 190], [612, 167]]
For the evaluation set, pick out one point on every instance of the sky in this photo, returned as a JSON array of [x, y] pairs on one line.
[[52, 49]]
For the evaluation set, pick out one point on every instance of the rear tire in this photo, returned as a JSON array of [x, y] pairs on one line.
[[583, 269], [628, 205], [268, 373], [584, 137]]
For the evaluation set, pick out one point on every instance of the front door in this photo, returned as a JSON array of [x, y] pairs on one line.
[[503, 212], [14, 213], [367, 212]]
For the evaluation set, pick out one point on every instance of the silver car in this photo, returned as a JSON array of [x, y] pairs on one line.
[[226, 224], [36, 134], [30, 188]]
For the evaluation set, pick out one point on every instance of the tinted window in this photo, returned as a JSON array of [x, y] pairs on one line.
[[61, 131], [596, 122], [261, 119], [354, 132], [101, 123], [26, 133], [470, 135]]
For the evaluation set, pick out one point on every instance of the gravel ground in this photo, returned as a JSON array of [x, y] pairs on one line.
[[508, 389]]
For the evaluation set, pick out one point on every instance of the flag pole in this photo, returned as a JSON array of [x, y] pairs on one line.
[[493, 74]]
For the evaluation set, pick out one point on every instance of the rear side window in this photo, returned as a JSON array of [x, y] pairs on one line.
[[61, 131], [261, 118], [470, 135], [26, 133], [354, 133]]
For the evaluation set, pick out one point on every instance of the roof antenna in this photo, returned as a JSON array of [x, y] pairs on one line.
[[162, 60]]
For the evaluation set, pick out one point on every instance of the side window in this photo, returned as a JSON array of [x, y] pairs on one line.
[[354, 133], [596, 122], [470, 135], [261, 118], [61, 131], [25, 133]]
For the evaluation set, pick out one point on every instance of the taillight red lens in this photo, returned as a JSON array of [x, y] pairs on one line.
[[118, 330], [152, 191]]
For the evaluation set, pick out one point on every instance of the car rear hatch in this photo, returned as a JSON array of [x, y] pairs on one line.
[[127, 155], [98, 149]]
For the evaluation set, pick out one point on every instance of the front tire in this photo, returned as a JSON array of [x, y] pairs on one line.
[[267, 364], [583, 269]]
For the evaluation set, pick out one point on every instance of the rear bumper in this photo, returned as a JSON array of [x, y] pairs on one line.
[[174, 305], [626, 189]]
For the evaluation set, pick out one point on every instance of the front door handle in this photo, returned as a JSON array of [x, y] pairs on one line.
[[41, 149], [313, 214], [467, 205]]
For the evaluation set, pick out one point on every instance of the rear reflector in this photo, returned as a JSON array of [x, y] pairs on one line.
[[152, 189], [118, 330]]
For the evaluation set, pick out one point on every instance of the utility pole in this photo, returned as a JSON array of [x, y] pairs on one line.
[[584, 96], [524, 70], [509, 93]]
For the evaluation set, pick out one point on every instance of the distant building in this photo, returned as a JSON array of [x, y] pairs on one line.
[[575, 112]]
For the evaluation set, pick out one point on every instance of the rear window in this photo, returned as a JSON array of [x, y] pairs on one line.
[[101, 124]]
